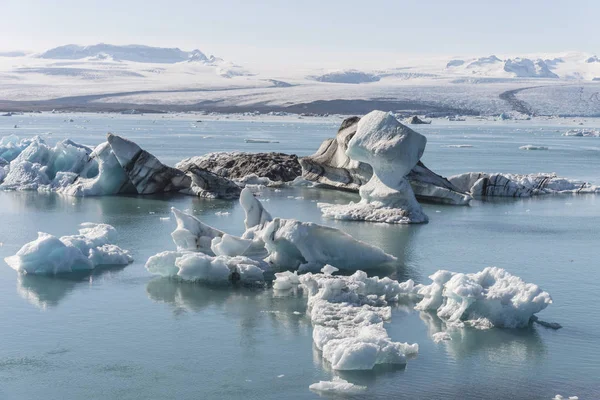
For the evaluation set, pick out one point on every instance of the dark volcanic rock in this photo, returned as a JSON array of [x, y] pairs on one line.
[[277, 167], [414, 120]]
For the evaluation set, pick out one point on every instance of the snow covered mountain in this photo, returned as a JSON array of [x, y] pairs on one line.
[[114, 77], [134, 52]]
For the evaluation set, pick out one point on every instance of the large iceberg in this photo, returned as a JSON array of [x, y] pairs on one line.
[[331, 167], [277, 242], [392, 150], [51, 255], [480, 184], [489, 298], [348, 315], [124, 168]]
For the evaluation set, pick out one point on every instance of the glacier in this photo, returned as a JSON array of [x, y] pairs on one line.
[[48, 255]]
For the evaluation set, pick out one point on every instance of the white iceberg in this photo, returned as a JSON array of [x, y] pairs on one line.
[[336, 385], [489, 298], [199, 267], [85, 251], [533, 147], [191, 234], [392, 150], [583, 132]]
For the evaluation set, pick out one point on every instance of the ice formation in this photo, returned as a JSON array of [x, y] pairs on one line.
[[331, 167], [480, 184], [392, 150], [87, 250], [533, 147], [36, 166], [200, 267], [580, 132], [277, 242], [492, 297], [348, 314], [123, 167], [336, 385]]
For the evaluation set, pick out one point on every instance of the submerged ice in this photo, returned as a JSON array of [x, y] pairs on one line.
[[49, 254]]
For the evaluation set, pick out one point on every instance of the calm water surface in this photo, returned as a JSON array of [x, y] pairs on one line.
[[124, 334]]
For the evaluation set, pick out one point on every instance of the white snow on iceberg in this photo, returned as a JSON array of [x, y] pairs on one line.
[[489, 298], [51, 255]]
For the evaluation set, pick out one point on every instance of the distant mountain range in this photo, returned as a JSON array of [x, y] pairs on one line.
[[134, 52]]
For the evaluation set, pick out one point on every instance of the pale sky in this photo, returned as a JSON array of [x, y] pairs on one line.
[[252, 31]]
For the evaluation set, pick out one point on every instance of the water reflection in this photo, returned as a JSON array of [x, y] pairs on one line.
[[501, 346], [252, 306], [48, 291]]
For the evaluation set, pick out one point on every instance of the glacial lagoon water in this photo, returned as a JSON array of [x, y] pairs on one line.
[[123, 334]]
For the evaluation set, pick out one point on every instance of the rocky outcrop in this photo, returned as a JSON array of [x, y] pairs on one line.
[[277, 167], [392, 150], [480, 184], [331, 167]]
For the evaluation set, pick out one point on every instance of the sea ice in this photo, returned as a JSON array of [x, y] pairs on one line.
[[336, 385], [85, 251], [492, 297]]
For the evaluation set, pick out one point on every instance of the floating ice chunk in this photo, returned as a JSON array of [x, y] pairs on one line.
[[51, 255], [200, 267], [441, 336], [256, 215], [293, 244], [458, 146], [392, 150], [192, 234], [582, 132], [286, 280], [492, 297], [480, 184], [559, 397], [336, 385], [348, 315], [533, 147], [329, 269]]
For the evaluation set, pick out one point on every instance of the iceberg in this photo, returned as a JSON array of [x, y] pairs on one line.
[[576, 132], [533, 147], [200, 267], [392, 150], [489, 298], [331, 167], [336, 385], [282, 243], [49, 255], [480, 184], [348, 314]]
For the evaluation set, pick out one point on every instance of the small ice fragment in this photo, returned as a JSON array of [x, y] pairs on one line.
[[297, 312], [559, 397], [165, 218], [222, 213], [437, 211], [329, 269], [290, 197], [337, 385], [280, 376], [440, 336], [151, 212]]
